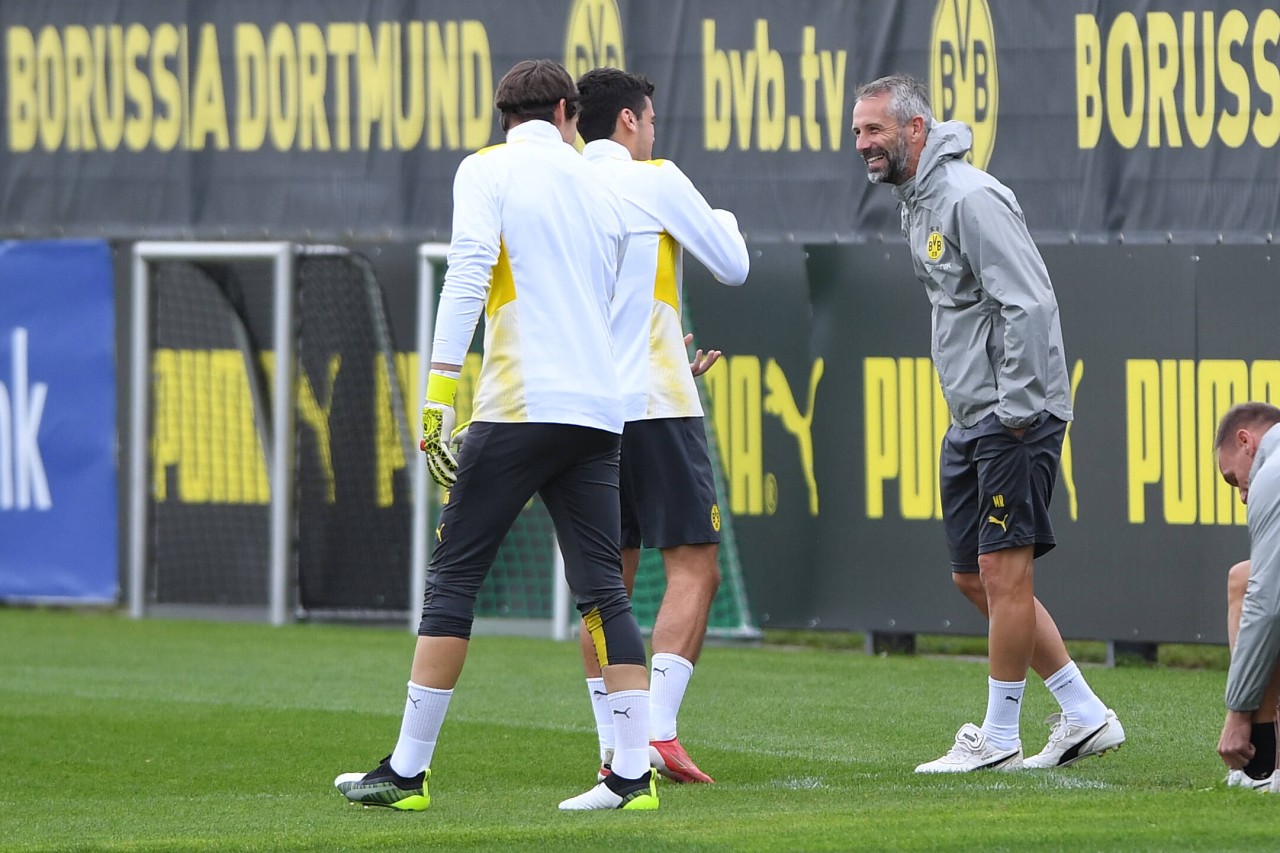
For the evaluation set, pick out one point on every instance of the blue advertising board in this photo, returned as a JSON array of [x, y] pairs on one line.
[[58, 499]]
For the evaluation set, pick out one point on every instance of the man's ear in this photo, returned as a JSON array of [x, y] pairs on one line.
[[629, 119]]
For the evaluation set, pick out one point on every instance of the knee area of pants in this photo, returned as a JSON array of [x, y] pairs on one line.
[[436, 623], [608, 605]]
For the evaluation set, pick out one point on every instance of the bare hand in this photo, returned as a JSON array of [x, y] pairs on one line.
[[1234, 746], [701, 361]]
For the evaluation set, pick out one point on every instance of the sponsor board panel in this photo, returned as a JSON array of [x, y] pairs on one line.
[[764, 395], [58, 537], [1146, 528]]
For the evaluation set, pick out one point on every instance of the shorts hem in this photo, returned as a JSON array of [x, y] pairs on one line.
[[692, 541], [1007, 544]]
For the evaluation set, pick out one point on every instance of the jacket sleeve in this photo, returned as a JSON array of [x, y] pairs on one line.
[[709, 235], [998, 247], [473, 251], [1257, 644]]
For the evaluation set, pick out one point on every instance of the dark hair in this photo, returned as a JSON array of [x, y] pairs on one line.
[[1245, 416], [532, 90], [606, 92], [908, 97]]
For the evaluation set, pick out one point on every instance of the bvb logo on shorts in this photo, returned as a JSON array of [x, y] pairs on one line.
[[962, 71], [933, 246], [593, 37], [715, 517]]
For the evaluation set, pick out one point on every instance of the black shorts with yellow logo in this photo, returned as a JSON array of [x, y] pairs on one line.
[[668, 490], [996, 487]]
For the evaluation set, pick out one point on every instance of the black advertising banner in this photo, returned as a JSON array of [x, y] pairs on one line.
[[1147, 121], [831, 421]]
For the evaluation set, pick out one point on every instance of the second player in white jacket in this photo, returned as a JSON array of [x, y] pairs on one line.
[[666, 215]]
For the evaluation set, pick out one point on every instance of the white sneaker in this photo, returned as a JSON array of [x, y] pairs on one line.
[[1240, 779], [972, 752], [1069, 743], [640, 794]]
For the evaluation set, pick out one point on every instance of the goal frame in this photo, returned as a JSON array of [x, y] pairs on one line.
[[281, 255]]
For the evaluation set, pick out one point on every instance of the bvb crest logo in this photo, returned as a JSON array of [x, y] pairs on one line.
[[933, 247], [593, 37], [962, 71]]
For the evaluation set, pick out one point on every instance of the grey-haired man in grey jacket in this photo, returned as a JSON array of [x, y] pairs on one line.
[[997, 347], [1247, 444]]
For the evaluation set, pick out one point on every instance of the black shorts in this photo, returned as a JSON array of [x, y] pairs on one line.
[[668, 489], [996, 488], [575, 471]]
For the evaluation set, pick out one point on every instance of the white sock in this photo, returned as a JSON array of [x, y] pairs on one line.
[[1004, 711], [604, 717], [424, 712], [630, 712], [1079, 704], [667, 683]]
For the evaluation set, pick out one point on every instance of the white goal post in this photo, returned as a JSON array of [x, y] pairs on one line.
[[281, 256]]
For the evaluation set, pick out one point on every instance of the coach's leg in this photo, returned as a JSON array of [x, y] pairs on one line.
[[1011, 611], [1050, 653], [1011, 625]]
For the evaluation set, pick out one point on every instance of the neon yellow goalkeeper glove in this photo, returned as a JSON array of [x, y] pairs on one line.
[[438, 419]]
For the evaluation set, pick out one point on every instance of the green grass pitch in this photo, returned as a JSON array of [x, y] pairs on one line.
[[163, 735]]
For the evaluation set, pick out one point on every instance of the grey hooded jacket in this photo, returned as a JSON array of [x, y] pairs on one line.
[[1254, 657], [997, 342]]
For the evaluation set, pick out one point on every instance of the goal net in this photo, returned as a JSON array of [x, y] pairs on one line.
[[256, 365]]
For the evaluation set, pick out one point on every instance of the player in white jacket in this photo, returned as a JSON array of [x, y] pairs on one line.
[[668, 491], [536, 246]]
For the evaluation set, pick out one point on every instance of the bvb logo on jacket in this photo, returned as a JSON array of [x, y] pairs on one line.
[[933, 246]]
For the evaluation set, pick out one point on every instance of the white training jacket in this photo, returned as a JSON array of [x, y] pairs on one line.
[[537, 244], [665, 213]]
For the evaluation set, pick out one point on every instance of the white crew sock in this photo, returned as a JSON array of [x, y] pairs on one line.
[[667, 684], [1080, 705], [1004, 711], [424, 712], [604, 717], [630, 712]]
